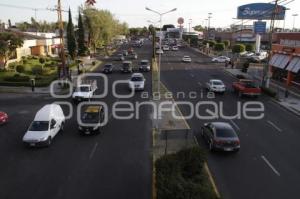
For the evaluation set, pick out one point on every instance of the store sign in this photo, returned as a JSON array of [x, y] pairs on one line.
[[260, 27], [261, 11]]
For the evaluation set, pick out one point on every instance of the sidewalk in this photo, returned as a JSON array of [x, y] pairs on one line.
[[290, 101], [46, 90]]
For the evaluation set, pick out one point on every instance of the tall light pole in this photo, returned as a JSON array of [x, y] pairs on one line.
[[190, 22], [294, 20], [208, 26], [159, 55], [62, 45]]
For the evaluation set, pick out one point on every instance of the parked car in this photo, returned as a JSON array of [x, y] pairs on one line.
[[126, 67], [175, 48], [144, 65], [48, 121], [166, 48], [108, 68], [187, 59], [221, 59], [119, 57], [246, 87], [91, 119], [137, 82], [220, 136], [216, 85], [125, 52], [159, 51], [3, 118]]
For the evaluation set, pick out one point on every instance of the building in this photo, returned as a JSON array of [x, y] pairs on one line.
[[285, 60]]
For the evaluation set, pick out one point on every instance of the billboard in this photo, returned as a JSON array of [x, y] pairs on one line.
[[260, 27], [260, 11]]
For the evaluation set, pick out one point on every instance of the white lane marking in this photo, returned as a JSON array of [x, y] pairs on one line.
[[235, 125], [93, 151], [186, 68], [274, 125], [192, 75], [199, 83], [270, 165]]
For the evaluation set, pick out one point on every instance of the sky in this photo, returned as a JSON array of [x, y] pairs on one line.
[[133, 11]]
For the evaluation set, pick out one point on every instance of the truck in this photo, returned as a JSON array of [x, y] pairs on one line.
[[246, 87], [92, 117], [84, 90]]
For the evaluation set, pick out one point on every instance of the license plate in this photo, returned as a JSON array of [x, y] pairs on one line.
[[32, 144], [87, 132], [228, 149]]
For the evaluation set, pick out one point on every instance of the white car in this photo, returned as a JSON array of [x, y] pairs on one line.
[[175, 48], [159, 51], [187, 59], [137, 82], [166, 48], [221, 59], [48, 121], [216, 85]]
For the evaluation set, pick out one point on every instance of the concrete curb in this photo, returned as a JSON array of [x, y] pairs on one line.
[[285, 107]]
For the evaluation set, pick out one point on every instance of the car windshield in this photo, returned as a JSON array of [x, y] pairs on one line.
[[250, 84], [126, 65], [39, 126], [144, 62], [90, 117], [225, 132], [83, 89], [137, 79], [218, 83]]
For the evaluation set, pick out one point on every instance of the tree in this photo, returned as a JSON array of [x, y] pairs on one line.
[[82, 49], [212, 43], [9, 42], [198, 28], [226, 43], [249, 47], [219, 47], [238, 48], [71, 37]]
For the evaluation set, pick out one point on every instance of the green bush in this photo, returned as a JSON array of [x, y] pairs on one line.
[[20, 68], [238, 48], [269, 91], [24, 61], [181, 176], [42, 60], [17, 78], [12, 65], [37, 70], [219, 47], [249, 47], [212, 43], [226, 43]]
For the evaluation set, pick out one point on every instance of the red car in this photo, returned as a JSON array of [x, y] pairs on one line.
[[3, 118], [246, 87]]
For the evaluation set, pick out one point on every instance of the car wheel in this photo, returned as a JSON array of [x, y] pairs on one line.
[[49, 141]]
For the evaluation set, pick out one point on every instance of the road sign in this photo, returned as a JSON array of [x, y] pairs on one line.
[[261, 11], [90, 2], [180, 20], [260, 27]]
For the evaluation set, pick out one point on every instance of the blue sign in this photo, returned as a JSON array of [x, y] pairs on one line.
[[260, 27], [261, 11]]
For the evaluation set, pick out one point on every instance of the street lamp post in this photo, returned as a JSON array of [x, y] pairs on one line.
[[294, 20], [160, 49], [208, 26], [190, 22]]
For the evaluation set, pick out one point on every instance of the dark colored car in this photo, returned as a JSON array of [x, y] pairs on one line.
[[126, 67], [132, 56], [3, 118], [220, 136], [108, 68], [144, 66], [119, 57]]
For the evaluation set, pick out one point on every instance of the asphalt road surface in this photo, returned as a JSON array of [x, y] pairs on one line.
[[268, 165], [114, 164]]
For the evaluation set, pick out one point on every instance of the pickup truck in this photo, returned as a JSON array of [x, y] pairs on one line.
[[85, 90], [246, 87]]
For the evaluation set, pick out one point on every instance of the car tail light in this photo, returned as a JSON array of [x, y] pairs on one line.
[[218, 142], [237, 142]]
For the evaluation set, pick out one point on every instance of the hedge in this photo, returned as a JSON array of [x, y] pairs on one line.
[[181, 176], [17, 78]]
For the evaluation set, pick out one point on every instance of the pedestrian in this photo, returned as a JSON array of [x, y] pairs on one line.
[[226, 64], [232, 64], [32, 82]]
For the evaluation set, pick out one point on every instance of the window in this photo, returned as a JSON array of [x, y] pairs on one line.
[[279, 61], [294, 65], [225, 132], [39, 126]]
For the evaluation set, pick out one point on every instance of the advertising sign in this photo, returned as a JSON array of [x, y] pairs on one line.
[[180, 20], [260, 27], [260, 11]]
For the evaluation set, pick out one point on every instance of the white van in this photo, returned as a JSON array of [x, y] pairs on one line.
[[48, 121]]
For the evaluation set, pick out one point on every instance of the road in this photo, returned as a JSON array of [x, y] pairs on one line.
[[267, 165], [114, 164]]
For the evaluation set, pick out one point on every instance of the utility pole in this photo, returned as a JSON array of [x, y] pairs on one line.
[[294, 20], [208, 25], [62, 45], [266, 75]]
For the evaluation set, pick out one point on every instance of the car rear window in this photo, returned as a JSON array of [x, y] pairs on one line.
[[90, 117], [137, 79], [217, 83], [225, 132], [144, 62]]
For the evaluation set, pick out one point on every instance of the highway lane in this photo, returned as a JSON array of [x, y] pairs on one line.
[[267, 165], [114, 164]]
